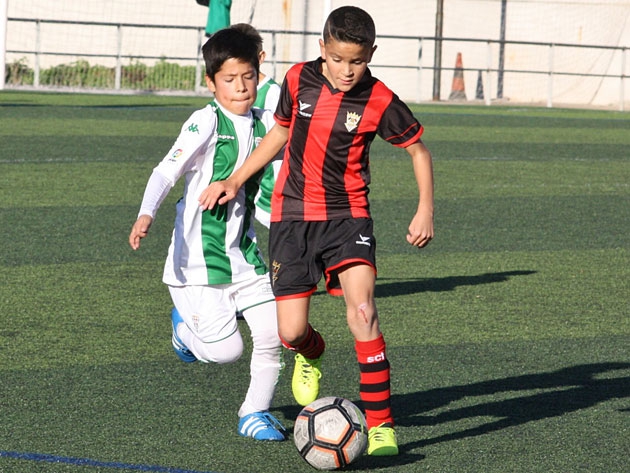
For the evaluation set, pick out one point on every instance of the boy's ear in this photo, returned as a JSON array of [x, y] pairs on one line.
[[261, 57], [372, 53], [210, 84], [322, 49]]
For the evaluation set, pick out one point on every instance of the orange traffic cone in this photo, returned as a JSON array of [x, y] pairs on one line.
[[458, 92]]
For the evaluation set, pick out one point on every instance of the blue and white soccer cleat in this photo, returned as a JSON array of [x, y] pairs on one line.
[[261, 426], [181, 350]]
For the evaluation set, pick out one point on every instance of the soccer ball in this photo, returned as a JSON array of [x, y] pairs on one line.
[[330, 433]]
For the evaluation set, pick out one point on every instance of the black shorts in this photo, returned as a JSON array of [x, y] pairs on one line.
[[300, 252]]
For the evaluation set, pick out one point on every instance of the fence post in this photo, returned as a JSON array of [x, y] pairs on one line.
[[4, 9], [419, 95], [274, 59], [550, 82], [622, 84], [198, 75], [38, 43], [118, 74], [488, 93]]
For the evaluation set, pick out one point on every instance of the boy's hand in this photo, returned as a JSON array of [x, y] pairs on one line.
[[420, 231], [139, 230], [218, 192]]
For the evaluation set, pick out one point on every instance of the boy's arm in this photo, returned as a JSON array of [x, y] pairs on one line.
[[420, 231], [223, 191], [190, 144], [139, 230], [157, 189]]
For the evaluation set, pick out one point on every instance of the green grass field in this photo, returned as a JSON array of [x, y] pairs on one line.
[[509, 336]]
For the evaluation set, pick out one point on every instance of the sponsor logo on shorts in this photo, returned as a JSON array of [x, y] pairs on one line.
[[193, 128], [275, 267], [363, 240]]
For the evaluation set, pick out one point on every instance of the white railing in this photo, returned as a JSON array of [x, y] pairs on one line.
[[534, 82]]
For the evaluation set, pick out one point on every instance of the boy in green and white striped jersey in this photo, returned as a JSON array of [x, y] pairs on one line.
[[214, 267], [267, 98]]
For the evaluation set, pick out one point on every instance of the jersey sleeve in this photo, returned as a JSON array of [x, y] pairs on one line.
[[398, 125], [183, 156], [189, 146], [156, 191], [286, 101]]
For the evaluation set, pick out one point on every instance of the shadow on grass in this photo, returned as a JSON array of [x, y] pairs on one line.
[[415, 286], [449, 283], [566, 390], [559, 392]]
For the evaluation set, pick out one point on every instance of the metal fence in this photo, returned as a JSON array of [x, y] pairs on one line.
[[404, 63]]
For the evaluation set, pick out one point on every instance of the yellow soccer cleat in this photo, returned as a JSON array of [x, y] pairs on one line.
[[306, 376], [382, 441]]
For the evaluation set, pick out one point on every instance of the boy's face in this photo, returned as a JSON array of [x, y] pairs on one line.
[[344, 63], [234, 86]]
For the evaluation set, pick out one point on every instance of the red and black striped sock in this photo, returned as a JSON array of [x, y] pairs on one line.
[[312, 347], [375, 382]]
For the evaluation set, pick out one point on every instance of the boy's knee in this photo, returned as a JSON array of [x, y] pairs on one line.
[[267, 340], [222, 352], [222, 358], [291, 338], [363, 313]]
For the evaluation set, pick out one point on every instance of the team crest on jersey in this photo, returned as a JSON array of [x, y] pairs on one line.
[[352, 120]]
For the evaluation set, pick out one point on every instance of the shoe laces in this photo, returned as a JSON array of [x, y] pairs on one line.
[[308, 370], [381, 433], [269, 421]]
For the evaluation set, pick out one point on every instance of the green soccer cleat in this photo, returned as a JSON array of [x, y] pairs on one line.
[[306, 376], [382, 441]]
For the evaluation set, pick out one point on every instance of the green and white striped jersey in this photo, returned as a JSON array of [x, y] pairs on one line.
[[267, 98], [216, 246], [268, 94]]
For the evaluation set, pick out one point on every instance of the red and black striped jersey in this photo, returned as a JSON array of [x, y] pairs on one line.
[[325, 173]]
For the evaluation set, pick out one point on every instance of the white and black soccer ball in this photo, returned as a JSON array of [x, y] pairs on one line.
[[330, 433]]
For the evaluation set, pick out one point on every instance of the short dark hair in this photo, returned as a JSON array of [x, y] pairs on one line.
[[229, 43], [350, 25], [253, 32]]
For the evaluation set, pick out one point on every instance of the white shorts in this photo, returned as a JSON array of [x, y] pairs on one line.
[[210, 311]]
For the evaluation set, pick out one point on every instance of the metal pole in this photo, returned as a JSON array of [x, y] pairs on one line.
[[621, 80], [38, 50], [4, 9], [550, 80], [488, 93], [501, 51], [200, 72], [118, 70], [437, 56], [419, 96]]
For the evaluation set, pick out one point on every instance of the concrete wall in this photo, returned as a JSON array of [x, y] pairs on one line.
[[582, 22]]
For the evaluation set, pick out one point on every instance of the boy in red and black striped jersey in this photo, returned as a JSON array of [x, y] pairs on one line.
[[329, 112]]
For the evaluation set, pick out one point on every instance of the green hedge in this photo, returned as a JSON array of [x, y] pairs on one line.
[[162, 75]]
